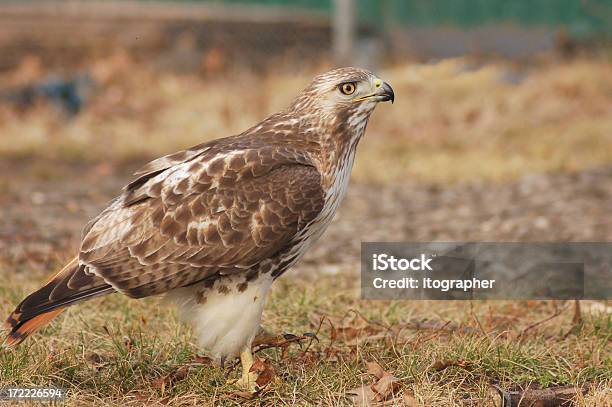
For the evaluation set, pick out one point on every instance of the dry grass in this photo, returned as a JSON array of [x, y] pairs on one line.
[[113, 350], [452, 121]]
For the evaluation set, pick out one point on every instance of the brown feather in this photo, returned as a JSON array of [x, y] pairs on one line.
[[69, 285], [184, 234], [18, 335]]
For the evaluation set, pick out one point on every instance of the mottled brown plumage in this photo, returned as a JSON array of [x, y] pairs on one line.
[[214, 225]]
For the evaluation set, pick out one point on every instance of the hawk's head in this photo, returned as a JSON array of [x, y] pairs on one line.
[[344, 96]]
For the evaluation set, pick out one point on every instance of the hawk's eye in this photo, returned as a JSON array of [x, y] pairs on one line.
[[348, 88]]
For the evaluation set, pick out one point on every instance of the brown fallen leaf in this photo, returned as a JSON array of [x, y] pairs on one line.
[[444, 364], [96, 360], [366, 335], [362, 396], [129, 344], [349, 333], [383, 389], [437, 325], [353, 324], [533, 397], [375, 369], [309, 358], [386, 386], [201, 360], [144, 398], [334, 354], [494, 397], [243, 395], [164, 382], [408, 399], [264, 370], [333, 335]]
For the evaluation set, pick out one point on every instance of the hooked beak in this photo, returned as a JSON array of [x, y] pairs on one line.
[[384, 93]]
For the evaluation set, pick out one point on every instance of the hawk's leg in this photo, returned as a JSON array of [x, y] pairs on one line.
[[248, 380]]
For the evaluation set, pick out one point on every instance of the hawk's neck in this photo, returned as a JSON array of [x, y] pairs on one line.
[[330, 142], [337, 150]]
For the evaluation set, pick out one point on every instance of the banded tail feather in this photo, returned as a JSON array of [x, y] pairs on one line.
[[69, 285]]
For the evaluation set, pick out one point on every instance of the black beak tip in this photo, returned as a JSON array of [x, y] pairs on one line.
[[388, 94]]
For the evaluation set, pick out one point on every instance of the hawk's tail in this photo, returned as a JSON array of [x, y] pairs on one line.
[[66, 287]]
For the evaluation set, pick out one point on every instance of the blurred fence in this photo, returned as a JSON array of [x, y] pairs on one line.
[[580, 17], [443, 28], [220, 35]]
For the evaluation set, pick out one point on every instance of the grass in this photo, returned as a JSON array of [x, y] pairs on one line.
[[115, 350]]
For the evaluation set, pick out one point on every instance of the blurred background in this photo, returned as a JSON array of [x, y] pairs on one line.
[[501, 130]]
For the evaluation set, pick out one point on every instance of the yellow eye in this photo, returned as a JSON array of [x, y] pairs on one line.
[[348, 88]]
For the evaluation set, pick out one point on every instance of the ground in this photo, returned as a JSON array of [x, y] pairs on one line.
[[466, 157]]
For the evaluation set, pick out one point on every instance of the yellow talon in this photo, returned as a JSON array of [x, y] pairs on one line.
[[248, 380]]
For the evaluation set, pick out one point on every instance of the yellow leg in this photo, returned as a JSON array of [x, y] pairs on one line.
[[248, 379]]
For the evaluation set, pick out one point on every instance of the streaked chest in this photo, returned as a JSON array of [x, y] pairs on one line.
[[337, 185]]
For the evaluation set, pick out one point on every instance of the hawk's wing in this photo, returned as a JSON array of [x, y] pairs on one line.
[[216, 209], [220, 212]]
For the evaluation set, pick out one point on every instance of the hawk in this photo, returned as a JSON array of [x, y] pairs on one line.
[[213, 226]]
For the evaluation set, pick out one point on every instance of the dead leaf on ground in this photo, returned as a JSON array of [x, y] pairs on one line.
[[444, 364], [128, 342], [363, 396], [165, 382], [243, 395], [358, 336], [383, 389], [408, 399], [552, 397], [437, 325], [375, 369], [265, 372], [201, 360], [95, 360], [386, 386], [354, 329], [309, 358]]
